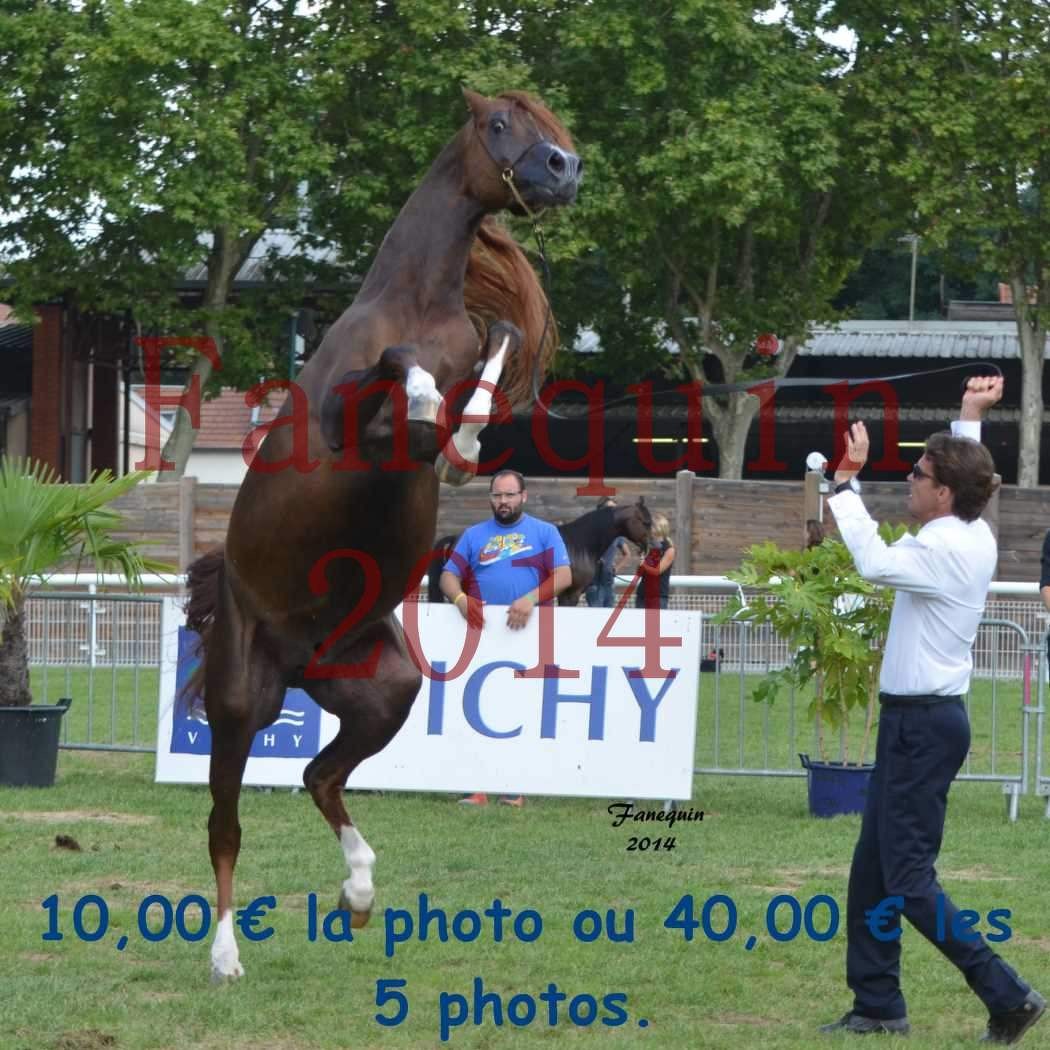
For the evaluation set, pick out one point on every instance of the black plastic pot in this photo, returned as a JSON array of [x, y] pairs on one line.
[[835, 789], [29, 743]]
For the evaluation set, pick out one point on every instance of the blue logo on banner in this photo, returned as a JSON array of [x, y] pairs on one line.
[[295, 734]]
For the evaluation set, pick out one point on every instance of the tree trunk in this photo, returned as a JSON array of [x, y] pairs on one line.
[[179, 445], [1033, 341], [224, 260], [731, 424], [14, 658]]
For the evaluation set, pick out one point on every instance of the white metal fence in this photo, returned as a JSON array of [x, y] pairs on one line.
[[103, 649]]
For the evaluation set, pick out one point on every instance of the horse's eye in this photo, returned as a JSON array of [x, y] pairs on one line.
[[498, 127]]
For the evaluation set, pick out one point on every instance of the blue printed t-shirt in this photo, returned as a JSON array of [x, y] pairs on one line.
[[491, 549]]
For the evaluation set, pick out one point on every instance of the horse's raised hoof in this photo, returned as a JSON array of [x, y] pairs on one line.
[[449, 474], [358, 919]]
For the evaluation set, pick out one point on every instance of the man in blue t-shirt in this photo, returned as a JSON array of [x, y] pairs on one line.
[[515, 560]]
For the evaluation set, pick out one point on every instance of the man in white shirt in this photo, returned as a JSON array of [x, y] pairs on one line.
[[941, 576]]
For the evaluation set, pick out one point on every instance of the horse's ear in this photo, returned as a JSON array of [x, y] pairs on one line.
[[641, 501], [477, 104]]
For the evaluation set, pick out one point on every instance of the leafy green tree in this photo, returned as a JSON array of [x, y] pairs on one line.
[[719, 183], [140, 137], [953, 110]]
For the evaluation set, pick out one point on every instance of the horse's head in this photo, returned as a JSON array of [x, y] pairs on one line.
[[635, 522], [519, 154]]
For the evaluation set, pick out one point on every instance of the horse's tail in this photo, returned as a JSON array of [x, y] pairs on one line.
[[203, 580], [501, 285], [442, 549]]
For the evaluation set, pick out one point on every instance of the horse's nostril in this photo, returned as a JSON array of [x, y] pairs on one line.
[[579, 168], [556, 162]]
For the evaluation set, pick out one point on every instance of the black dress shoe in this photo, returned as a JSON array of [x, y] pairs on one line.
[[1007, 1029], [855, 1024]]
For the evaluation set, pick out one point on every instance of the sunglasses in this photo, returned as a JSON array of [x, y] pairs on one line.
[[918, 474]]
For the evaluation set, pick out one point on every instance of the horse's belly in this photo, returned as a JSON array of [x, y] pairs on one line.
[[317, 546]]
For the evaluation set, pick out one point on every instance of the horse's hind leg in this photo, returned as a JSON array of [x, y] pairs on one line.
[[370, 711], [239, 701]]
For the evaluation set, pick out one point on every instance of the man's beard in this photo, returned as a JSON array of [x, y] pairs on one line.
[[505, 516]]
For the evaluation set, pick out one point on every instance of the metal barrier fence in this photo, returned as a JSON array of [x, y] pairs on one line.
[[1042, 772], [104, 650], [737, 736]]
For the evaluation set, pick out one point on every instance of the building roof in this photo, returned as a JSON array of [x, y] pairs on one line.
[[225, 420], [15, 336], [978, 340]]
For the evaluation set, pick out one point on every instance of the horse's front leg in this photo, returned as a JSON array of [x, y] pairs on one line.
[[458, 461]]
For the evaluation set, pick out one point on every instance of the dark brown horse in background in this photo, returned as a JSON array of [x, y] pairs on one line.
[[586, 538], [333, 524]]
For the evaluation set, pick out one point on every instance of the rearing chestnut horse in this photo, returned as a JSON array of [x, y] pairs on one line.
[[334, 521]]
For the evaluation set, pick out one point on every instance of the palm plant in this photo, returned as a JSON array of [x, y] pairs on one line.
[[45, 525]]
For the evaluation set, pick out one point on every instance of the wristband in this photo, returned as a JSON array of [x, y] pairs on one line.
[[462, 594]]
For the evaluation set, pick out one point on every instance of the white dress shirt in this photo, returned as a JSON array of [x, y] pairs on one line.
[[941, 576]]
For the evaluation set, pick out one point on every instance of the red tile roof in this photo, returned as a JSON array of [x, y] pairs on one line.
[[226, 419]]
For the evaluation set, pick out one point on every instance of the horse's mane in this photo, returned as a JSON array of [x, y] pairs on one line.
[[501, 283]]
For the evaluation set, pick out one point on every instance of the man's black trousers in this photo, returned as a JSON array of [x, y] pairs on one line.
[[922, 743]]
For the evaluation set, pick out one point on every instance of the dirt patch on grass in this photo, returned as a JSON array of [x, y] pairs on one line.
[[87, 1039], [977, 875], [282, 1043], [159, 997], [839, 871], [750, 1020], [74, 816], [1040, 943]]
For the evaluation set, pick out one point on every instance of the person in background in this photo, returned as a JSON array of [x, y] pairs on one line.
[[814, 533], [512, 559], [654, 586], [600, 594], [941, 576]]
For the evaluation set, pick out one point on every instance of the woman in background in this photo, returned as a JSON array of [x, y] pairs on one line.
[[654, 586]]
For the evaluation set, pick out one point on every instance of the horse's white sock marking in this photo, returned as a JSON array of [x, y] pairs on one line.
[[360, 859], [465, 439], [225, 959], [423, 397]]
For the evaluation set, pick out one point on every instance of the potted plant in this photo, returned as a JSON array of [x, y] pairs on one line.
[[45, 525], [835, 624]]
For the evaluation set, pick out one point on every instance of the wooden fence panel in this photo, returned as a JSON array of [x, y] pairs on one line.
[[726, 516]]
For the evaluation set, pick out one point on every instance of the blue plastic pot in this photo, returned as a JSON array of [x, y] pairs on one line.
[[834, 789]]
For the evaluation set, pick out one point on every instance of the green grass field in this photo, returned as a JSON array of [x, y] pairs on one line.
[[556, 856]]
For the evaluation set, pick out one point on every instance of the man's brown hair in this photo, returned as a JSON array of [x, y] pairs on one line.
[[967, 468]]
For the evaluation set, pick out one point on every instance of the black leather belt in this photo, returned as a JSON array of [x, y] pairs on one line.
[[915, 700]]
